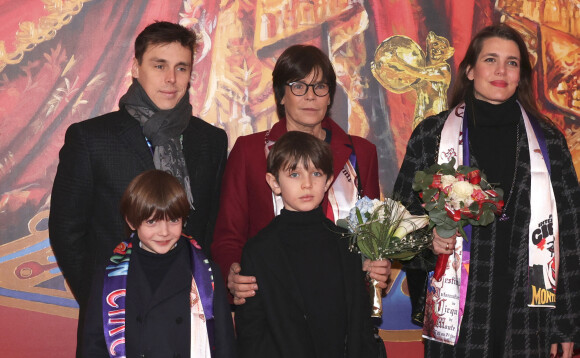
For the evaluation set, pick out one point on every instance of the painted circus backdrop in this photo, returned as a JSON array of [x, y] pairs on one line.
[[63, 61]]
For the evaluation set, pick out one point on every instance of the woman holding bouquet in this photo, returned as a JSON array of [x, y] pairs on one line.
[[511, 306], [304, 84]]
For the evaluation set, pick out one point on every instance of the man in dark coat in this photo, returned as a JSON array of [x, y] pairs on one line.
[[153, 129]]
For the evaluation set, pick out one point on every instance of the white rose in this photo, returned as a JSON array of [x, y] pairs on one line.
[[461, 190], [447, 180]]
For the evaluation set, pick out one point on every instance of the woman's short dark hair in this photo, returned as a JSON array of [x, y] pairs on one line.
[[295, 147], [153, 193], [297, 62], [163, 32], [525, 90]]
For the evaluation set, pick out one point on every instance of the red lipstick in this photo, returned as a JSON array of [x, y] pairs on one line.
[[498, 83]]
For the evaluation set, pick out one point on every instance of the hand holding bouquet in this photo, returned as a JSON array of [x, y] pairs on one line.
[[383, 230], [455, 198]]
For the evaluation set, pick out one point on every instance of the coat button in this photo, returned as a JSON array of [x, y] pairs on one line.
[[178, 320], [139, 319], [176, 355]]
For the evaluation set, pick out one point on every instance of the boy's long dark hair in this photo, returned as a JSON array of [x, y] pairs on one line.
[[153, 193], [298, 147]]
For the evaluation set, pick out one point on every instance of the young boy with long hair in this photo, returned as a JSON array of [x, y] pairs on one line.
[[158, 295]]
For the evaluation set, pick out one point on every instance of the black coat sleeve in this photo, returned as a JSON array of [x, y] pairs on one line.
[[253, 336], [70, 209], [422, 149], [225, 344], [566, 315]]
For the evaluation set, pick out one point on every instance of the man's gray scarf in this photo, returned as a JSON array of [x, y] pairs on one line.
[[163, 128]]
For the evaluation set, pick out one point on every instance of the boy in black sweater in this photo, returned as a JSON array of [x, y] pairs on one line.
[[312, 300]]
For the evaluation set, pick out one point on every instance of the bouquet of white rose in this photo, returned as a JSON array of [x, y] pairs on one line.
[[385, 230]]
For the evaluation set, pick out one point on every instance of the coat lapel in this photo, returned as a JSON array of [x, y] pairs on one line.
[[130, 133], [139, 285], [194, 145], [341, 145]]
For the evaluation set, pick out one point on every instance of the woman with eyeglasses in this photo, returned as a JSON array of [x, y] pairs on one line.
[[304, 85]]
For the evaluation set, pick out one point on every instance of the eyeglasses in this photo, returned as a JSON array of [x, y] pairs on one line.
[[300, 88]]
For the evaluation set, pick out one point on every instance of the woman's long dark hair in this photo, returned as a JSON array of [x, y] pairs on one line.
[[525, 90]]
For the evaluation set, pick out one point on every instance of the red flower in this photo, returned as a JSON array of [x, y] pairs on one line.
[[453, 214], [436, 181], [474, 177], [492, 193], [478, 195]]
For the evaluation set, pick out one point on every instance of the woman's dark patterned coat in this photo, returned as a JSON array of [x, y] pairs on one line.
[[529, 331]]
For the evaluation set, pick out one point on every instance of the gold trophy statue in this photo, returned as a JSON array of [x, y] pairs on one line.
[[400, 65]]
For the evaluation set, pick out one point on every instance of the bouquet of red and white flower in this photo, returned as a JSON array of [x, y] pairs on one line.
[[455, 198]]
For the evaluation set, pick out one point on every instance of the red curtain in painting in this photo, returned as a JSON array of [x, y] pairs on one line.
[[78, 74]]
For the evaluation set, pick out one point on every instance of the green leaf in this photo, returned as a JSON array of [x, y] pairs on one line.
[[428, 194], [438, 216], [376, 229], [359, 216], [444, 231], [486, 218], [365, 247], [422, 181], [462, 232], [474, 208], [343, 223], [430, 205]]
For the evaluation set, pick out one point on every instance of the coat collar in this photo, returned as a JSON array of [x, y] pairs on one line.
[[130, 133], [175, 280]]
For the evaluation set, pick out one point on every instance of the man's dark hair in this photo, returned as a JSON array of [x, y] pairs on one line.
[[163, 32], [295, 147], [297, 62], [153, 192]]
